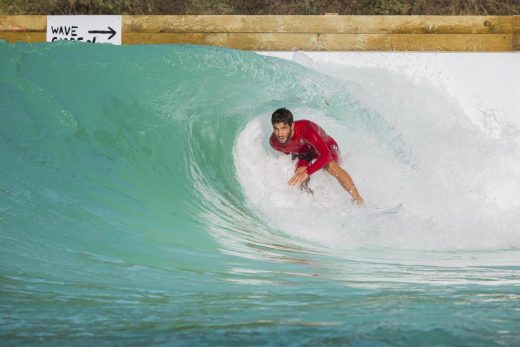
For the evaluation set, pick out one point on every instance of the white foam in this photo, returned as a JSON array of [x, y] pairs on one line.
[[486, 85], [459, 184]]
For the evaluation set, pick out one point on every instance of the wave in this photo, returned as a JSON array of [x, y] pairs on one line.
[[155, 155]]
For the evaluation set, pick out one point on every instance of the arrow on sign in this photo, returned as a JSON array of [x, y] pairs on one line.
[[110, 31]]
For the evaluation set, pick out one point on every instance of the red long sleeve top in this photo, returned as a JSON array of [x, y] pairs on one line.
[[308, 142]]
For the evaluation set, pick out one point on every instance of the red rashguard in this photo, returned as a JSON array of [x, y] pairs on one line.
[[308, 142]]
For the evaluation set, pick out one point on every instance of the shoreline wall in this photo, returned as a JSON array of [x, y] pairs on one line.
[[309, 33]]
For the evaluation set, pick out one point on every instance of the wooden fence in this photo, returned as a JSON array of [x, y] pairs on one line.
[[308, 33]]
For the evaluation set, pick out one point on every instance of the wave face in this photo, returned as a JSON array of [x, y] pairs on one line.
[[140, 203]]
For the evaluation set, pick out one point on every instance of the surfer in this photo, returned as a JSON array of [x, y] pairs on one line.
[[314, 149]]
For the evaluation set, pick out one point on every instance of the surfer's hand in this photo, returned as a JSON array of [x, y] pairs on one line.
[[358, 200], [299, 178]]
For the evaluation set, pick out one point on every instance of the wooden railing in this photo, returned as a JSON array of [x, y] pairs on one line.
[[309, 33]]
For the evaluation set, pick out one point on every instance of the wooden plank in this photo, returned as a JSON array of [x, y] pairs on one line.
[[23, 23], [304, 24], [417, 42], [209, 39], [313, 42], [276, 41], [21, 36], [516, 33], [261, 41], [374, 33], [332, 42], [265, 41], [319, 24]]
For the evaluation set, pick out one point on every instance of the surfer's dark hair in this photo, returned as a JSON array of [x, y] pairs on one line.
[[282, 115]]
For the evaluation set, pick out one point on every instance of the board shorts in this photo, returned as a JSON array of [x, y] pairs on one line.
[[305, 160]]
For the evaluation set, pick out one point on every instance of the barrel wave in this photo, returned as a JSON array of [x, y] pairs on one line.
[[140, 203]]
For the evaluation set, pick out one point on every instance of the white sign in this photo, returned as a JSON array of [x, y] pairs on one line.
[[95, 29]]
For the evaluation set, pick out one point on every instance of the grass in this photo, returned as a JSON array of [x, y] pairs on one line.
[[262, 7]]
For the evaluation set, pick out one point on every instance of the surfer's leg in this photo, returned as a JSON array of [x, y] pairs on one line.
[[345, 180]]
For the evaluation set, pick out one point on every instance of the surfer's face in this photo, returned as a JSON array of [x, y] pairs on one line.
[[282, 131]]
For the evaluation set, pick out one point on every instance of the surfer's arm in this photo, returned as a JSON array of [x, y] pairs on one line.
[[301, 163], [300, 177], [321, 148]]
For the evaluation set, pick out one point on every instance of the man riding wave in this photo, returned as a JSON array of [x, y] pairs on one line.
[[314, 149]]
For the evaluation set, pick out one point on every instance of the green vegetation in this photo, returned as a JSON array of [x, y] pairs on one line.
[[263, 7]]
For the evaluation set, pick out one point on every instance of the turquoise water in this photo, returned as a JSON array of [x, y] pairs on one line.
[[141, 205]]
